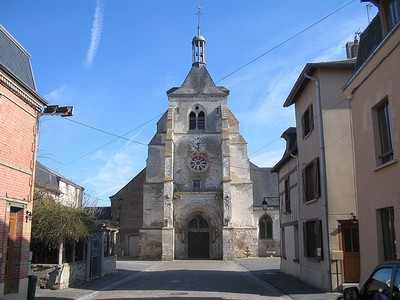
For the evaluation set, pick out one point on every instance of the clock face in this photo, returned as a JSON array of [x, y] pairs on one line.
[[197, 144], [198, 163]]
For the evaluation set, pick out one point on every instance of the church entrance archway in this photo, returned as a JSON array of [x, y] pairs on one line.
[[198, 238]]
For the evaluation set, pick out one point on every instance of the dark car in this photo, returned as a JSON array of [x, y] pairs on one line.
[[383, 284]]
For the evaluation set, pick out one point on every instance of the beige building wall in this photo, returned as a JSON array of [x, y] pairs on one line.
[[341, 195], [290, 220], [377, 185]]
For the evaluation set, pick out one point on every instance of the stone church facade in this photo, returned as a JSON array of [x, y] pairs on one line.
[[195, 199]]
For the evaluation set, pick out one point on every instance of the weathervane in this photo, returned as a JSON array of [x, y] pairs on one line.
[[199, 14]]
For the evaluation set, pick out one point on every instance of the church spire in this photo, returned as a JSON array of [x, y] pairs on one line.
[[198, 44]]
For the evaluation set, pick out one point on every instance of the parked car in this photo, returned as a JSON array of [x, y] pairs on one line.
[[382, 284]]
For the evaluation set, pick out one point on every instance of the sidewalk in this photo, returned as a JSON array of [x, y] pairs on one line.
[[266, 269], [125, 272]]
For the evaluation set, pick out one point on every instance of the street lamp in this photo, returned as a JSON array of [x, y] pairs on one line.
[[63, 111], [264, 204], [268, 203]]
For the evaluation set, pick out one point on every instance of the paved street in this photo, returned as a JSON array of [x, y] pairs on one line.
[[193, 279]]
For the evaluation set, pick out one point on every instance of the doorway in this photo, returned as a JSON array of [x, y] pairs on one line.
[[198, 238], [351, 252], [95, 256], [11, 282]]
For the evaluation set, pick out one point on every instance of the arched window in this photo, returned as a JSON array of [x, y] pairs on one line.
[[265, 228], [197, 119], [192, 121], [201, 120]]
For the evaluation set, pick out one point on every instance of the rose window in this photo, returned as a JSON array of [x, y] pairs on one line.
[[198, 163]]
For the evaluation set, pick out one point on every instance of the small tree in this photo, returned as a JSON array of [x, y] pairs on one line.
[[54, 224]]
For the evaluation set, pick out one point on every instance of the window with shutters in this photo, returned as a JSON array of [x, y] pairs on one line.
[[382, 133], [312, 231], [287, 195], [388, 233], [392, 12], [311, 181], [307, 121]]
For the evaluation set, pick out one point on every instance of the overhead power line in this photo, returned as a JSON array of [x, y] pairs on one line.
[[110, 142], [110, 133], [286, 41], [223, 78]]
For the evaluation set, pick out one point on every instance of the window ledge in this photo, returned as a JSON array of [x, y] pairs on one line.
[[307, 135], [315, 259], [393, 161], [310, 201]]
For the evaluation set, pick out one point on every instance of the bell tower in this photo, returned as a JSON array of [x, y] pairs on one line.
[[198, 45]]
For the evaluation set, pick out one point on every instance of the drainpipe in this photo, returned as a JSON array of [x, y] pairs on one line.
[[324, 189]]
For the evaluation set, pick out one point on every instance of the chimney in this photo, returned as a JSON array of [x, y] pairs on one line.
[[349, 45], [352, 47]]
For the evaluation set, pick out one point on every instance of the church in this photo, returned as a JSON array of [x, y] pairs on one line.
[[199, 196]]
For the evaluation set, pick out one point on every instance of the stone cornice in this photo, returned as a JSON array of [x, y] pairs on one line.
[[36, 102]]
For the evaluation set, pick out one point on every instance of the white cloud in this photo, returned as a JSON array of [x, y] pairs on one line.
[[117, 169], [96, 33], [55, 94], [267, 159]]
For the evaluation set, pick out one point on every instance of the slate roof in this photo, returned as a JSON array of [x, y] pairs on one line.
[[369, 41], [48, 179], [15, 59], [198, 81], [265, 184], [102, 213], [290, 135]]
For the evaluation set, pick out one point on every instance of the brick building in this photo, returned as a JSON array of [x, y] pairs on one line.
[[20, 106], [199, 195]]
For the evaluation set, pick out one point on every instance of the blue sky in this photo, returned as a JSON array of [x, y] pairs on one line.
[[115, 60]]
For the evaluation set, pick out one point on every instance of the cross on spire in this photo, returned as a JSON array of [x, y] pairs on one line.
[[198, 44], [199, 14]]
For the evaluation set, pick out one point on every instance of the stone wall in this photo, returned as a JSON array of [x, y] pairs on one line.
[[68, 274]]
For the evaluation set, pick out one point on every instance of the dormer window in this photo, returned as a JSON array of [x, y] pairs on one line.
[[197, 119]]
